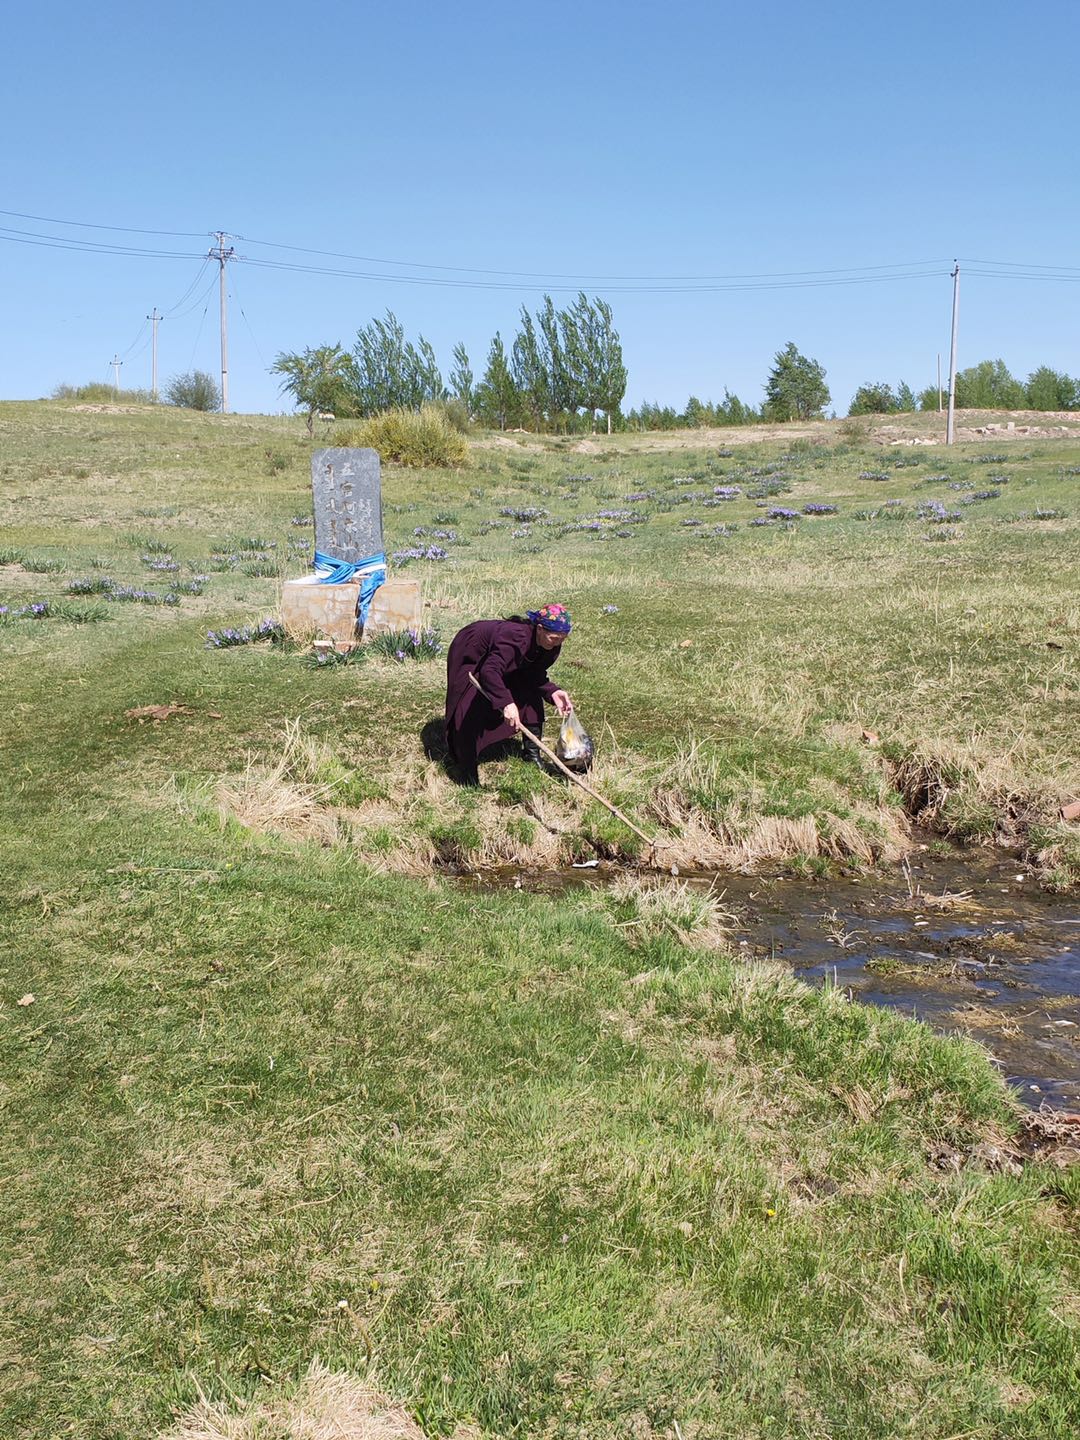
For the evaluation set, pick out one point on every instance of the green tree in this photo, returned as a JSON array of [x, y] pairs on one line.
[[905, 398], [928, 398], [390, 372], [874, 399], [562, 402], [1048, 389], [989, 386], [613, 366], [795, 389], [423, 379], [531, 379], [461, 378], [319, 379], [498, 401], [593, 359], [651, 415], [195, 390]]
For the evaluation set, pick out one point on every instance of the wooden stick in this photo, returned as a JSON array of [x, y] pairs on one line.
[[570, 775]]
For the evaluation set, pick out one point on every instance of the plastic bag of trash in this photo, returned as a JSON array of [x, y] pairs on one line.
[[574, 746]]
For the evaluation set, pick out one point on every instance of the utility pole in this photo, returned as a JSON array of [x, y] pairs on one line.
[[939, 382], [116, 363], [950, 426], [221, 255], [154, 318]]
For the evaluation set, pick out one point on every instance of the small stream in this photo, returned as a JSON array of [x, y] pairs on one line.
[[965, 941]]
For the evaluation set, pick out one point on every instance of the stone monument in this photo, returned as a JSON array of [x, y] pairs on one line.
[[347, 489]]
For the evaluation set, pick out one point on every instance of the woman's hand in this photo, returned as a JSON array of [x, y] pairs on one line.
[[512, 717], [562, 702]]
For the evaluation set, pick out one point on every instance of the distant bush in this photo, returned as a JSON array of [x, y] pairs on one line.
[[100, 393], [457, 414], [194, 391], [420, 438]]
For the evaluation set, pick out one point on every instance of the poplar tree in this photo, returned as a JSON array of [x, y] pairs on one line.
[[389, 371], [497, 397], [461, 378], [527, 366]]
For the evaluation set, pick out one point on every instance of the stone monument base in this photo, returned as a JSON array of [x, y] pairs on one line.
[[394, 606], [310, 611]]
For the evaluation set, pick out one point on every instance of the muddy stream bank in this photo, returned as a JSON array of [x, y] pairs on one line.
[[965, 941]]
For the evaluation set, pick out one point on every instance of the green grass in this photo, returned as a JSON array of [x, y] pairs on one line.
[[555, 1166]]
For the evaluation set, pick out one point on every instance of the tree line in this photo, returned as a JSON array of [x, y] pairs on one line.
[[562, 369], [795, 389], [985, 386]]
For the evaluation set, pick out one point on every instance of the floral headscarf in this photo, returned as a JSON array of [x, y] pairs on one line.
[[555, 618]]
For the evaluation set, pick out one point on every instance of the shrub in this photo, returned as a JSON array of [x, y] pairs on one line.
[[194, 391], [99, 392], [419, 438]]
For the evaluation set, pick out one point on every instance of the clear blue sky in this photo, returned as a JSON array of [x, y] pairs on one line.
[[576, 139]]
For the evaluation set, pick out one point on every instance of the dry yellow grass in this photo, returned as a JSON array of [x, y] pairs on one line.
[[325, 1406]]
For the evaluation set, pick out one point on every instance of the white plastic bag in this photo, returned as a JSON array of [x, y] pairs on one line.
[[574, 746]]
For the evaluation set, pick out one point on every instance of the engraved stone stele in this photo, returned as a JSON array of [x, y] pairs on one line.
[[395, 605], [346, 487]]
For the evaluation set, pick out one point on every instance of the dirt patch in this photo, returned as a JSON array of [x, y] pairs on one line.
[[325, 1406], [113, 409]]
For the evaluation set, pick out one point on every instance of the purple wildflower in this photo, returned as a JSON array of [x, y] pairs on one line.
[[418, 552], [530, 512]]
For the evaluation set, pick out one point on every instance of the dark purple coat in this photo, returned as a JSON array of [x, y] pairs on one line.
[[511, 666]]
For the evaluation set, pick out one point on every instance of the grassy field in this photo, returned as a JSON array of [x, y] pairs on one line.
[[281, 1091]]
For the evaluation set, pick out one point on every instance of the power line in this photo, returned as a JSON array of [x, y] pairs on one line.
[[198, 276], [90, 247], [615, 284], [997, 269], [135, 341], [117, 229], [247, 322], [859, 275], [661, 289], [554, 275], [1018, 264], [195, 304]]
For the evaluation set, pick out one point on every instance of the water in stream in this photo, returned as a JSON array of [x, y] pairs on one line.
[[965, 941]]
